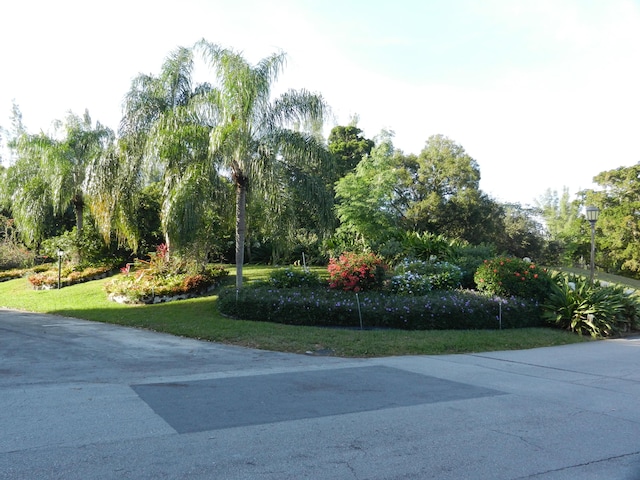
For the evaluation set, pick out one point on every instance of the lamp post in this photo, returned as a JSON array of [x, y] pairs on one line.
[[592, 215], [60, 254]]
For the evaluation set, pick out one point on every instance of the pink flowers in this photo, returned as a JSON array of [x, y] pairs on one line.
[[356, 272]]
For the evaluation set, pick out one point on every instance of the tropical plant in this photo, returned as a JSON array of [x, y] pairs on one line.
[[577, 305], [13, 254], [164, 140], [50, 172]]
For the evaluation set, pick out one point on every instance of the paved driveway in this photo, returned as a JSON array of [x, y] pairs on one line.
[[83, 400]]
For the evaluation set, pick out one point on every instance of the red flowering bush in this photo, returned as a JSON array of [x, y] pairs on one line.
[[356, 272], [506, 276]]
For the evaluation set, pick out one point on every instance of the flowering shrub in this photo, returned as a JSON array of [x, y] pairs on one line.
[[293, 277], [417, 277], [356, 272], [438, 310], [506, 276]]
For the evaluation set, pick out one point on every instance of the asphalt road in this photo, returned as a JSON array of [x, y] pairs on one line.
[[83, 400]]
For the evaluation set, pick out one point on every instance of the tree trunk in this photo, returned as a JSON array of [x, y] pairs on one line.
[[79, 210], [241, 199]]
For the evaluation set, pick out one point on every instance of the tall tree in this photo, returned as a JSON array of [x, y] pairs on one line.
[[165, 138], [564, 226], [51, 170], [618, 226], [523, 234], [255, 136], [442, 195], [367, 203], [349, 147]]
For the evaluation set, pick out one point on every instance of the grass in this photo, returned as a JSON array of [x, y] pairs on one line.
[[603, 276], [199, 318]]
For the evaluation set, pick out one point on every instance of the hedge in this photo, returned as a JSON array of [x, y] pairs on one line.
[[437, 310]]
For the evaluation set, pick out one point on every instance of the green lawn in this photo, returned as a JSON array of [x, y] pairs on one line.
[[602, 276], [199, 318]]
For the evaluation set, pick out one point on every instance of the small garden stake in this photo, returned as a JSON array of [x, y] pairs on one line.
[[359, 312]]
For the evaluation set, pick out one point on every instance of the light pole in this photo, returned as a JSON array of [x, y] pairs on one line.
[[60, 254], [592, 215]]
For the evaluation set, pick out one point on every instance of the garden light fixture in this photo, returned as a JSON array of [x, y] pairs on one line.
[[592, 214], [60, 255]]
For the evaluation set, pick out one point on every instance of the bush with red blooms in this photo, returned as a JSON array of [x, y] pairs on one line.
[[357, 272]]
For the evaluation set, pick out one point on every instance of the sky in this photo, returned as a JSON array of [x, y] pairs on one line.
[[543, 94]]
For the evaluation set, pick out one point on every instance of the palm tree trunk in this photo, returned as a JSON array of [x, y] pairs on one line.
[[78, 204], [241, 199]]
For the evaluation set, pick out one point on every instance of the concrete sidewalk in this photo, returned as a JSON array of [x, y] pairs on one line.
[[83, 400]]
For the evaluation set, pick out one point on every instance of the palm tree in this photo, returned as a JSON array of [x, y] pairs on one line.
[[51, 170], [258, 139], [26, 194], [163, 140]]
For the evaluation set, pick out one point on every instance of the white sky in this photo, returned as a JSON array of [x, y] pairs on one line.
[[542, 93]]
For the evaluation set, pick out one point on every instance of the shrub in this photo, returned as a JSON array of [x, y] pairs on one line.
[[600, 311], [506, 276], [323, 307], [293, 278], [14, 256], [469, 258], [425, 246], [417, 277], [356, 272]]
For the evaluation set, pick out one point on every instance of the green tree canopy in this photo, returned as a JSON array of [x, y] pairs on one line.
[[367, 197], [51, 172], [565, 227], [618, 226], [349, 147]]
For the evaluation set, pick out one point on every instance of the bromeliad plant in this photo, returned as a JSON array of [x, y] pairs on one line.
[[600, 311]]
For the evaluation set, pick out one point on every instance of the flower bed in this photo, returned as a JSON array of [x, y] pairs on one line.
[[148, 285], [48, 280], [21, 272]]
